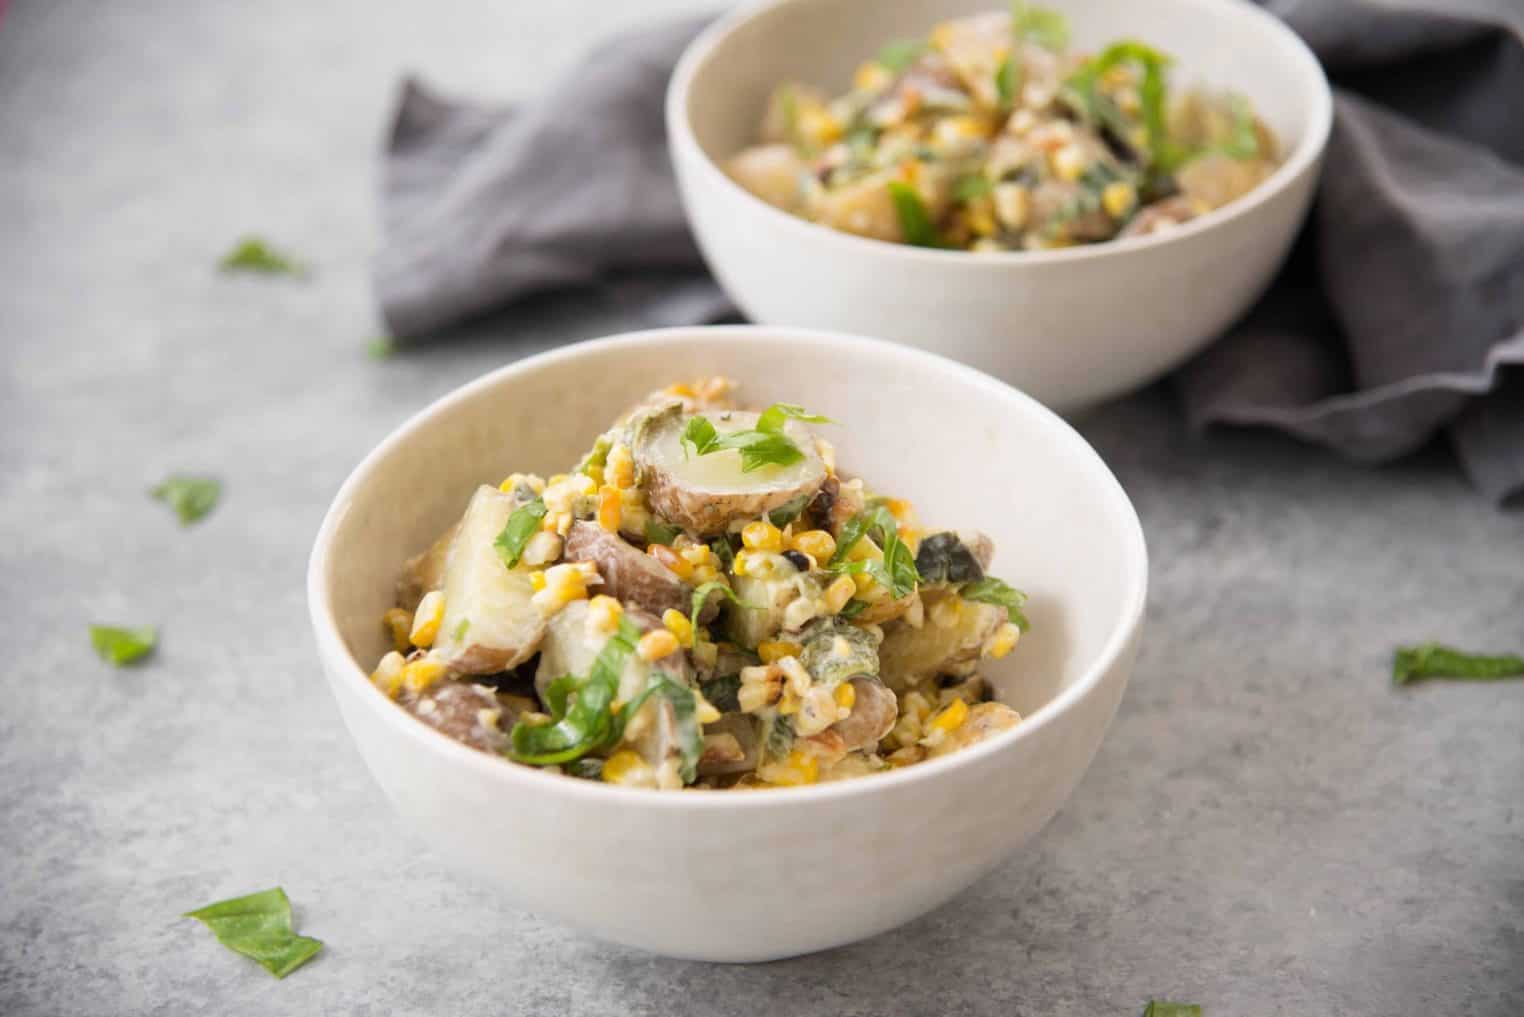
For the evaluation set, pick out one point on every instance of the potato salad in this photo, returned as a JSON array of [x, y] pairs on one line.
[[702, 601], [991, 134]]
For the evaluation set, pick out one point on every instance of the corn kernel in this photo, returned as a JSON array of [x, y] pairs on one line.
[[656, 644], [817, 126], [758, 693], [388, 673], [1069, 163], [620, 470], [762, 536], [625, 767], [839, 592], [846, 696], [603, 612], [1003, 641], [427, 618], [678, 624], [818, 544], [741, 563], [679, 565], [951, 718], [714, 388], [771, 650], [400, 625], [541, 549], [696, 554], [871, 76], [680, 389], [799, 768], [704, 711], [863, 583], [1118, 198], [422, 673], [537, 580], [788, 705], [609, 508]]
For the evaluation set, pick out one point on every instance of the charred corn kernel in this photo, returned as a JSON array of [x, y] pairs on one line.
[[656, 644], [604, 612], [609, 508], [871, 76], [427, 618], [762, 536], [798, 768], [679, 565], [864, 583], [942, 35], [845, 696], [771, 650], [620, 470], [818, 544], [1069, 163], [946, 612], [388, 673], [827, 453], [625, 767], [541, 549], [839, 592], [513, 480], [1003, 641], [681, 389], [951, 718], [421, 673], [400, 624], [678, 624], [537, 580], [705, 574], [1118, 198], [795, 675], [593, 472]]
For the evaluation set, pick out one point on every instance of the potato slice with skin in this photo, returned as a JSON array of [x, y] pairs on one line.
[[705, 494], [490, 623], [761, 604], [873, 715], [908, 655], [629, 574]]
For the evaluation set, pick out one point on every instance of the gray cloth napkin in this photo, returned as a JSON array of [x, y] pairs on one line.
[[1399, 316]]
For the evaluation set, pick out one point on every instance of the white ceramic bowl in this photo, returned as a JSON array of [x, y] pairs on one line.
[[756, 875], [1070, 326]]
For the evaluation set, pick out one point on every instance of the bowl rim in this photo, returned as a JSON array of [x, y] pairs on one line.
[[1309, 149], [336, 657]]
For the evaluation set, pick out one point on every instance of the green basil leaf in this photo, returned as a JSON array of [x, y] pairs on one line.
[[259, 926], [119, 646], [690, 737], [254, 255], [915, 221], [1006, 76], [1164, 155], [723, 692], [191, 497], [1243, 140], [853, 608], [896, 571], [898, 55], [1042, 25], [658, 532], [789, 510], [773, 418], [701, 435], [990, 590], [1432, 660], [523, 523], [582, 718], [1159, 1008], [765, 450]]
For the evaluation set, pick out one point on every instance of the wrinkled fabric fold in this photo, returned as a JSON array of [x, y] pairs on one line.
[[1399, 316]]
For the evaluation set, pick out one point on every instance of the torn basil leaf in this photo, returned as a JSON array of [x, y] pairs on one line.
[[915, 220], [254, 255], [773, 418], [1159, 1008], [990, 590], [523, 523], [191, 497], [896, 571], [259, 927], [789, 510], [1432, 660], [758, 448], [701, 595], [120, 646], [582, 718]]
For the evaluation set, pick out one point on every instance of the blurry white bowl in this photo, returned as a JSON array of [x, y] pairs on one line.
[[753, 875], [1070, 326]]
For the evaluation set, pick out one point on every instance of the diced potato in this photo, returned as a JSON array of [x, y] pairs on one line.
[[909, 655], [985, 720], [874, 712], [629, 574], [771, 172], [489, 622]]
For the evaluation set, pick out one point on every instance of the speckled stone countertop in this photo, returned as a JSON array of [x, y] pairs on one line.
[[1269, 828]]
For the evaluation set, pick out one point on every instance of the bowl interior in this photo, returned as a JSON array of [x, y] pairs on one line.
[[1219, 43], [966, 449]]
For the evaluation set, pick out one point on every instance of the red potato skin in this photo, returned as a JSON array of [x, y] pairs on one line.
[[629, 574]]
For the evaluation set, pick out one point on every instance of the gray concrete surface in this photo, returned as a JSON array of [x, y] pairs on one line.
[[1269, 828]]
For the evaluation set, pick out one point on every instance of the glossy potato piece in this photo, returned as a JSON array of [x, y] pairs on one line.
[[909, 655], [490, 623], [771, 172], [985, 720], [873, 715], [705, 494]]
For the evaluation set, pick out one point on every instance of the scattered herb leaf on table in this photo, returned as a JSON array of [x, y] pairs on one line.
[[254, 255], [1431, 660], [259, 926], [191, 497], [1160, 1008], [121, 646]]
